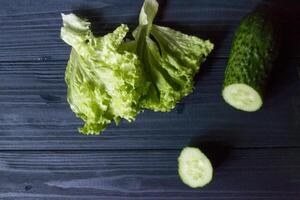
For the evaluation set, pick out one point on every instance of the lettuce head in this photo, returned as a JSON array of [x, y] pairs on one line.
[[109, 79]]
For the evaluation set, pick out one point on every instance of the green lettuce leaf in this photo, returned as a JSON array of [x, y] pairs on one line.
[[104, 82], [169, 58]]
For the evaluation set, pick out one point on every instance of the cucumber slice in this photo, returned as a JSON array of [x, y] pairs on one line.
[[194, 168], [242, 97]]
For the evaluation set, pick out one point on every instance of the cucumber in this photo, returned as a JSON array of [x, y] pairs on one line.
[[194, 168], [242, 97], [250, 62]]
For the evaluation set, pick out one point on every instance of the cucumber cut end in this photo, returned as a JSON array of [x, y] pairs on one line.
[[194, 168], [242, 97]]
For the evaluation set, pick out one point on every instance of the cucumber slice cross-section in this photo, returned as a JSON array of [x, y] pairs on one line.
[[194, 168], [242, 97]]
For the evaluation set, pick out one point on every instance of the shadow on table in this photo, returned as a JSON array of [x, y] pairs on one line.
[[216, 150], [92, 16], [284, 73]]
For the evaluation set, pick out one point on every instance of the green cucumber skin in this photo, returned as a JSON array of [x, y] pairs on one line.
[[252, 53]]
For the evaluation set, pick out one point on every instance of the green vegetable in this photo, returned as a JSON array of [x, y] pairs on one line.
[[170, 60], [194, 168], [250, 62], [104, 84], [109, 79]]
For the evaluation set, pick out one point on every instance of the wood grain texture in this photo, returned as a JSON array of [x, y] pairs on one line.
[[240, 174], [30, 31], [42, 156], [34, 113]]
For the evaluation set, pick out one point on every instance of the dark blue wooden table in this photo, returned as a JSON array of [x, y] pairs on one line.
[[42, 156]]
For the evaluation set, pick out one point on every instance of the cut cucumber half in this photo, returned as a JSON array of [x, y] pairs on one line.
[[253, 51], [242, 97], [194, 168]]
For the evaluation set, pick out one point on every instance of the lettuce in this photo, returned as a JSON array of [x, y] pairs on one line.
[[109, 79], [104, 84], [170, 59]]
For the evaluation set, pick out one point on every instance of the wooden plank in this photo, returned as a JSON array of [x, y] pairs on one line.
[[35, 117], [239, 174], [34, 113], [30, 32], [111, 10], [118, 11]]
